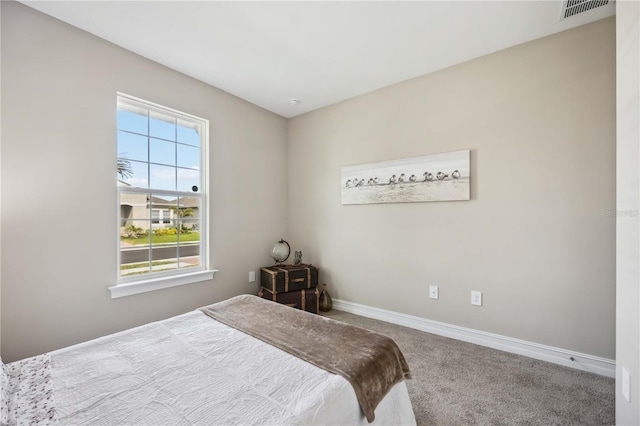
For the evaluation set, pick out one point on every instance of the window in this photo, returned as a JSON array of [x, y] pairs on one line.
[[162, 176]]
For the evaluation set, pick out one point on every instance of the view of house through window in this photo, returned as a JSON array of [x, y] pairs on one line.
[[160, 190]]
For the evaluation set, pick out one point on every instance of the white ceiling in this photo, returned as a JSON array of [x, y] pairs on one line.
[[318, 52]]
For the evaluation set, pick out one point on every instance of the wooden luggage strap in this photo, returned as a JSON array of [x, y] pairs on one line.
[[261, 293]]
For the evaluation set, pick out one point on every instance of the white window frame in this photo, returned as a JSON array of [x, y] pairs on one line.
[[126, 286]]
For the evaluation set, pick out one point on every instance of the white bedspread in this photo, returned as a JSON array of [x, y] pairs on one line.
[[193, 370]]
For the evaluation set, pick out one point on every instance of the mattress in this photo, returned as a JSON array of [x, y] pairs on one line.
[[193, 370]]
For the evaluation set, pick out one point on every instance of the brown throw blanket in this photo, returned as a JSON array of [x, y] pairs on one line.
[[371, 362]]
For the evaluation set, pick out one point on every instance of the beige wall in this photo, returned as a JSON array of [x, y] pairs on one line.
[[535, 238], [628, 200], [58, 145]]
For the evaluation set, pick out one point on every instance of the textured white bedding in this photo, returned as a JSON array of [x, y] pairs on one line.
[[193, 370]]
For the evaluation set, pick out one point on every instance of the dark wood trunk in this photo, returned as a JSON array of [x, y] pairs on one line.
[[306, 299], [285, 278]]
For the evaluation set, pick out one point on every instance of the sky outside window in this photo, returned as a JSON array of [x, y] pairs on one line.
[[164, 153]]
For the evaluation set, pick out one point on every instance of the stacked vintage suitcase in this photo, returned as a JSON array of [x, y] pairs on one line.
[[291, 285]]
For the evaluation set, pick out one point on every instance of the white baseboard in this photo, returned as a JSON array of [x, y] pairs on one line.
[[593, 364]]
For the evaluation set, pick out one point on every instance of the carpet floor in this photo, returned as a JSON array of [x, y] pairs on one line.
[[459, 383]]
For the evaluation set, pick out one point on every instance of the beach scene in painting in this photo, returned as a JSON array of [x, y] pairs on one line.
[[438, 177]]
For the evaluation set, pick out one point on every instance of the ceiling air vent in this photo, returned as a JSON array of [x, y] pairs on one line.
[[574, 7]]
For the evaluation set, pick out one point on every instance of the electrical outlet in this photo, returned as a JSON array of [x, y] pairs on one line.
[[252, 276], [476, 298], [433, 291], [626, 384]]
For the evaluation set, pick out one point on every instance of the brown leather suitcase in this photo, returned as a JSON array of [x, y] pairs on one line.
[[305, 299], [285, 278]]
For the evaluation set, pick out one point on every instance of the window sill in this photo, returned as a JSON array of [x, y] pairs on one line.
[[137, 287]]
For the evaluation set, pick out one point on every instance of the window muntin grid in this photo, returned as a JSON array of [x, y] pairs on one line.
[[161, 195]]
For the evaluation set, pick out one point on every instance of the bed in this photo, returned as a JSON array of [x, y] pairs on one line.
[[186, 370]]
